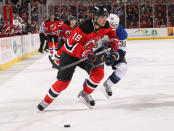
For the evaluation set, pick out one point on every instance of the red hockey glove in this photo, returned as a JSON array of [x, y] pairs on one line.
[[114, 44]]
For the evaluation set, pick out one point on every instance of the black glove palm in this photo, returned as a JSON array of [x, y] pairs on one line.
[[111, 58]]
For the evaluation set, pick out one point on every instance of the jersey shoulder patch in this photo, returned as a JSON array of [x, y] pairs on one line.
[[87, 26]]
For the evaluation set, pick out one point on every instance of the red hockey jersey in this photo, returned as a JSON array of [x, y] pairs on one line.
[[52, 28], [84, 37], [65, 30]]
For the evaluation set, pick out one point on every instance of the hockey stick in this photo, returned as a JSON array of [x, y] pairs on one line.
[[53, 62], [67, 66], [82, 60]]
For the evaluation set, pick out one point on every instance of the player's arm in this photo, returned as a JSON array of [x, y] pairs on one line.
[[114, 43], [121, 52], [113, 39], [122, 35], [60, 29], [73, 45], [60, 25], [46, 28]]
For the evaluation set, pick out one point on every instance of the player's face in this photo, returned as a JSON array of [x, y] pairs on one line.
[[52, 17], [114, 25], [72, 23], [101, 20]]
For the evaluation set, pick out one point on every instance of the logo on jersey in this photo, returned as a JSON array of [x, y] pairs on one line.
[[53, 26], [90, 44], [68, 32]]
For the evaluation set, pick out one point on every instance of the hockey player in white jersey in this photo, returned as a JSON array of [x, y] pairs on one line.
[[114, 59]]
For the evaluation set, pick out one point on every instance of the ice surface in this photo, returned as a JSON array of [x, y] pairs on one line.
[[142, 101]]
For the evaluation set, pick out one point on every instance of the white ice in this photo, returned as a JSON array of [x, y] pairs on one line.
[[142, 101]]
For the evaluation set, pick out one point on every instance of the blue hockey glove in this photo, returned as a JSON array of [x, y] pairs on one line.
[[111, 58]]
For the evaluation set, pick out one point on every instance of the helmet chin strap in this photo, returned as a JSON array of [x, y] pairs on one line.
[[96, 21]]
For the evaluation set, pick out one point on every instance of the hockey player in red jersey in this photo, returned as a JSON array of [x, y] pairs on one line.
[[51, 30], [64, 33], [78, 46]]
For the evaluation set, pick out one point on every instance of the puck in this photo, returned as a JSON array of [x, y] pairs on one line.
[[67, 125]]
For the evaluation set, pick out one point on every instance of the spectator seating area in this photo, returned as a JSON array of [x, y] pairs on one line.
[[132, 13]]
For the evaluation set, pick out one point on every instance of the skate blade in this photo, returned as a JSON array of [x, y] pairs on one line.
[[82, 100]]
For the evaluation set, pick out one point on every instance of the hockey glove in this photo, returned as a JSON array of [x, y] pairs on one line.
[[112, 58], [114, 45], [102, 57], [90, 55]]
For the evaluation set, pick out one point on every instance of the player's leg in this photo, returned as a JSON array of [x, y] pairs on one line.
[[46, 46], [50, 45], [114, 78], [64, 78], [45, 40], [55, 37], [91, 83], [54, 57], [58, 56], [42, 40]]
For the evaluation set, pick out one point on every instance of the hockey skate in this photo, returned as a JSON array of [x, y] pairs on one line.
[[107, 90], [86, 99], [46, 50], [42, 105]]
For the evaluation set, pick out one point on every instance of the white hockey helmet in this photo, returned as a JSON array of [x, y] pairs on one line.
[[113, 19]]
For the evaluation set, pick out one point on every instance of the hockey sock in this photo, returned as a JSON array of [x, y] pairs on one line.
[[113, 79], [94, 79], [50, 44], [55, 90]]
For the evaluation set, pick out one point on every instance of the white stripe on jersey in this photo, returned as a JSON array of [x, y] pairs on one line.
[[41, 29]]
